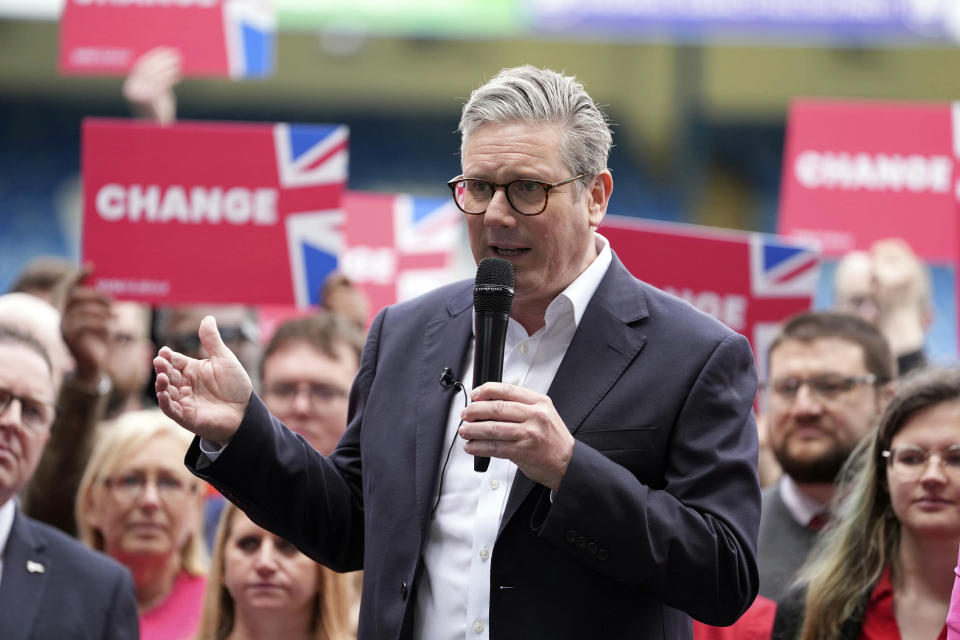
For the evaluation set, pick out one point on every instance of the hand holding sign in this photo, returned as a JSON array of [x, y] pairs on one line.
[[207, 397]]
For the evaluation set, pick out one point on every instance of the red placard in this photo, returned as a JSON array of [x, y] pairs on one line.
[[213, 37], [212, 212], [398, 246], [749, 281], [857, 172]]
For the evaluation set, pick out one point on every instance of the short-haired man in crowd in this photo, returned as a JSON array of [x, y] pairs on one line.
[[306, 373], [51, 586], [621, 496], [829, 378]]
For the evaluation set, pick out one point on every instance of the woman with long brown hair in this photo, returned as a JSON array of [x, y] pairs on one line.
[[883, 568]]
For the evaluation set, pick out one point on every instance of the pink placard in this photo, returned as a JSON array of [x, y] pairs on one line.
[[212, 212], [857, 172], [214, 37]]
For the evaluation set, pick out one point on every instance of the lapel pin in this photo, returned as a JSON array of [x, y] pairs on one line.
[[35, 567]]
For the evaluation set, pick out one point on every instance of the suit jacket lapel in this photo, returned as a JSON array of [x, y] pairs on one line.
[[445, 343], [602, 348], [25, 571]]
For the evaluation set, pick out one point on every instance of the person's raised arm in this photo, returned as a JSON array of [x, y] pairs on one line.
[[208, 397]]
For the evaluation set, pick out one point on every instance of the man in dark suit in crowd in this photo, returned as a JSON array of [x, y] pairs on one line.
[[50, 585], [829, 380], [622, 495]]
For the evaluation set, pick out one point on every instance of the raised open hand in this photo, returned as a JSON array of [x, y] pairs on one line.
[[207, 397]]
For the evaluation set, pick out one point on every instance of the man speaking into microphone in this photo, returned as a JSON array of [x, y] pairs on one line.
[[621, 496]]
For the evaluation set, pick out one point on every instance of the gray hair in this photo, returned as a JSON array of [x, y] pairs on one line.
[[533, 95]]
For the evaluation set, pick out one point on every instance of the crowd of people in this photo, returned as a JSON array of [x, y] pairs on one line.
[[649, 515]]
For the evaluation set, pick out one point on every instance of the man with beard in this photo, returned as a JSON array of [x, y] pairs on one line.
[[829, 377]]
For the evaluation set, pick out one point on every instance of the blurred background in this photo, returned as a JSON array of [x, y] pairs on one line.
[[698, 92]]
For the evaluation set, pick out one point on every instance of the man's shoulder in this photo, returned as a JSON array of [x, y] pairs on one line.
[[452, 298], [66, 553]]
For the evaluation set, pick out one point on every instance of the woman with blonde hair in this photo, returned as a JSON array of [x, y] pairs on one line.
[[138, 504], [261, 588], [883, 567]]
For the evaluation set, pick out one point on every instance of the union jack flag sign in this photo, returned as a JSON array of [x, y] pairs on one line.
[[398, 246], [213, 212], [749, 281]]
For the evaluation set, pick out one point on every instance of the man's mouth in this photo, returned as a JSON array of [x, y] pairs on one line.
[[509, 251]]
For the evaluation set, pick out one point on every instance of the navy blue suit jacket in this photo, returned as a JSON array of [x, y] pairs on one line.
[[656, 517], [55, 588]]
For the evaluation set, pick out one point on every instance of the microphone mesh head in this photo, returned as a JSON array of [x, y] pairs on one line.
[[493, 288]]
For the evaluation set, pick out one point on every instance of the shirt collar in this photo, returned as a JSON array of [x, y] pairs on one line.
[[802, 507], [7, 512], [579, 292]]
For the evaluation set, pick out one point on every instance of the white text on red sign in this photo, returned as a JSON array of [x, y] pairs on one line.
[[873, 171], [191, 205]]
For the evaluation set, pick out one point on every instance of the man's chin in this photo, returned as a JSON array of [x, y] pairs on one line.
[[813, 469]]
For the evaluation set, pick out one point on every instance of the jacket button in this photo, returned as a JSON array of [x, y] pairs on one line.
[[581, 542], [571, 535], [602, 554], [403, 591], [592, 548]]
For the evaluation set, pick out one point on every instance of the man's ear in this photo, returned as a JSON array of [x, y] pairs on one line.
[[600, 188]]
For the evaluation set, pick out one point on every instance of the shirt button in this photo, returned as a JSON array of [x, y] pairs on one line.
[[524, 348], [478, 627], [484, 554], [514, 381], [494, 484]]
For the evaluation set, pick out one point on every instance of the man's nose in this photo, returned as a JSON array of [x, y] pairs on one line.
[[806, 402], [499, 212], [12, 414], [302, 400]]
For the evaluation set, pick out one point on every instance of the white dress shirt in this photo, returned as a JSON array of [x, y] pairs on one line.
[[801, 506], [7, 511], [453, 591]]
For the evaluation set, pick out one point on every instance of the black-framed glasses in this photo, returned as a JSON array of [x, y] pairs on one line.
[[528, 197], [34, 414], [827, 387], [910, 461]]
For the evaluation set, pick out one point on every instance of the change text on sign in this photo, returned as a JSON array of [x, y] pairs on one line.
[[152, 203]]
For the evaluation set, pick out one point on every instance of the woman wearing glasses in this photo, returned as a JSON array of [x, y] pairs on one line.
[[138, 504], [884, 567], [261, 588]]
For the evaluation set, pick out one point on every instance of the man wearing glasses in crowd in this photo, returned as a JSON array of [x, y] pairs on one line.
[[829, 379], [622, 494], [50, 585]]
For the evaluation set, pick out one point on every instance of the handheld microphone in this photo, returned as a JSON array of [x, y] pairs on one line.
[[492, 297]]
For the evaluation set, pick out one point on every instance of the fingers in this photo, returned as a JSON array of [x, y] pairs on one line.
[[211, 340]]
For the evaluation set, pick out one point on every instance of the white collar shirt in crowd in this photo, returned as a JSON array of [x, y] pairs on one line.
[[7, 511], [453, 591], [802, 507]]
